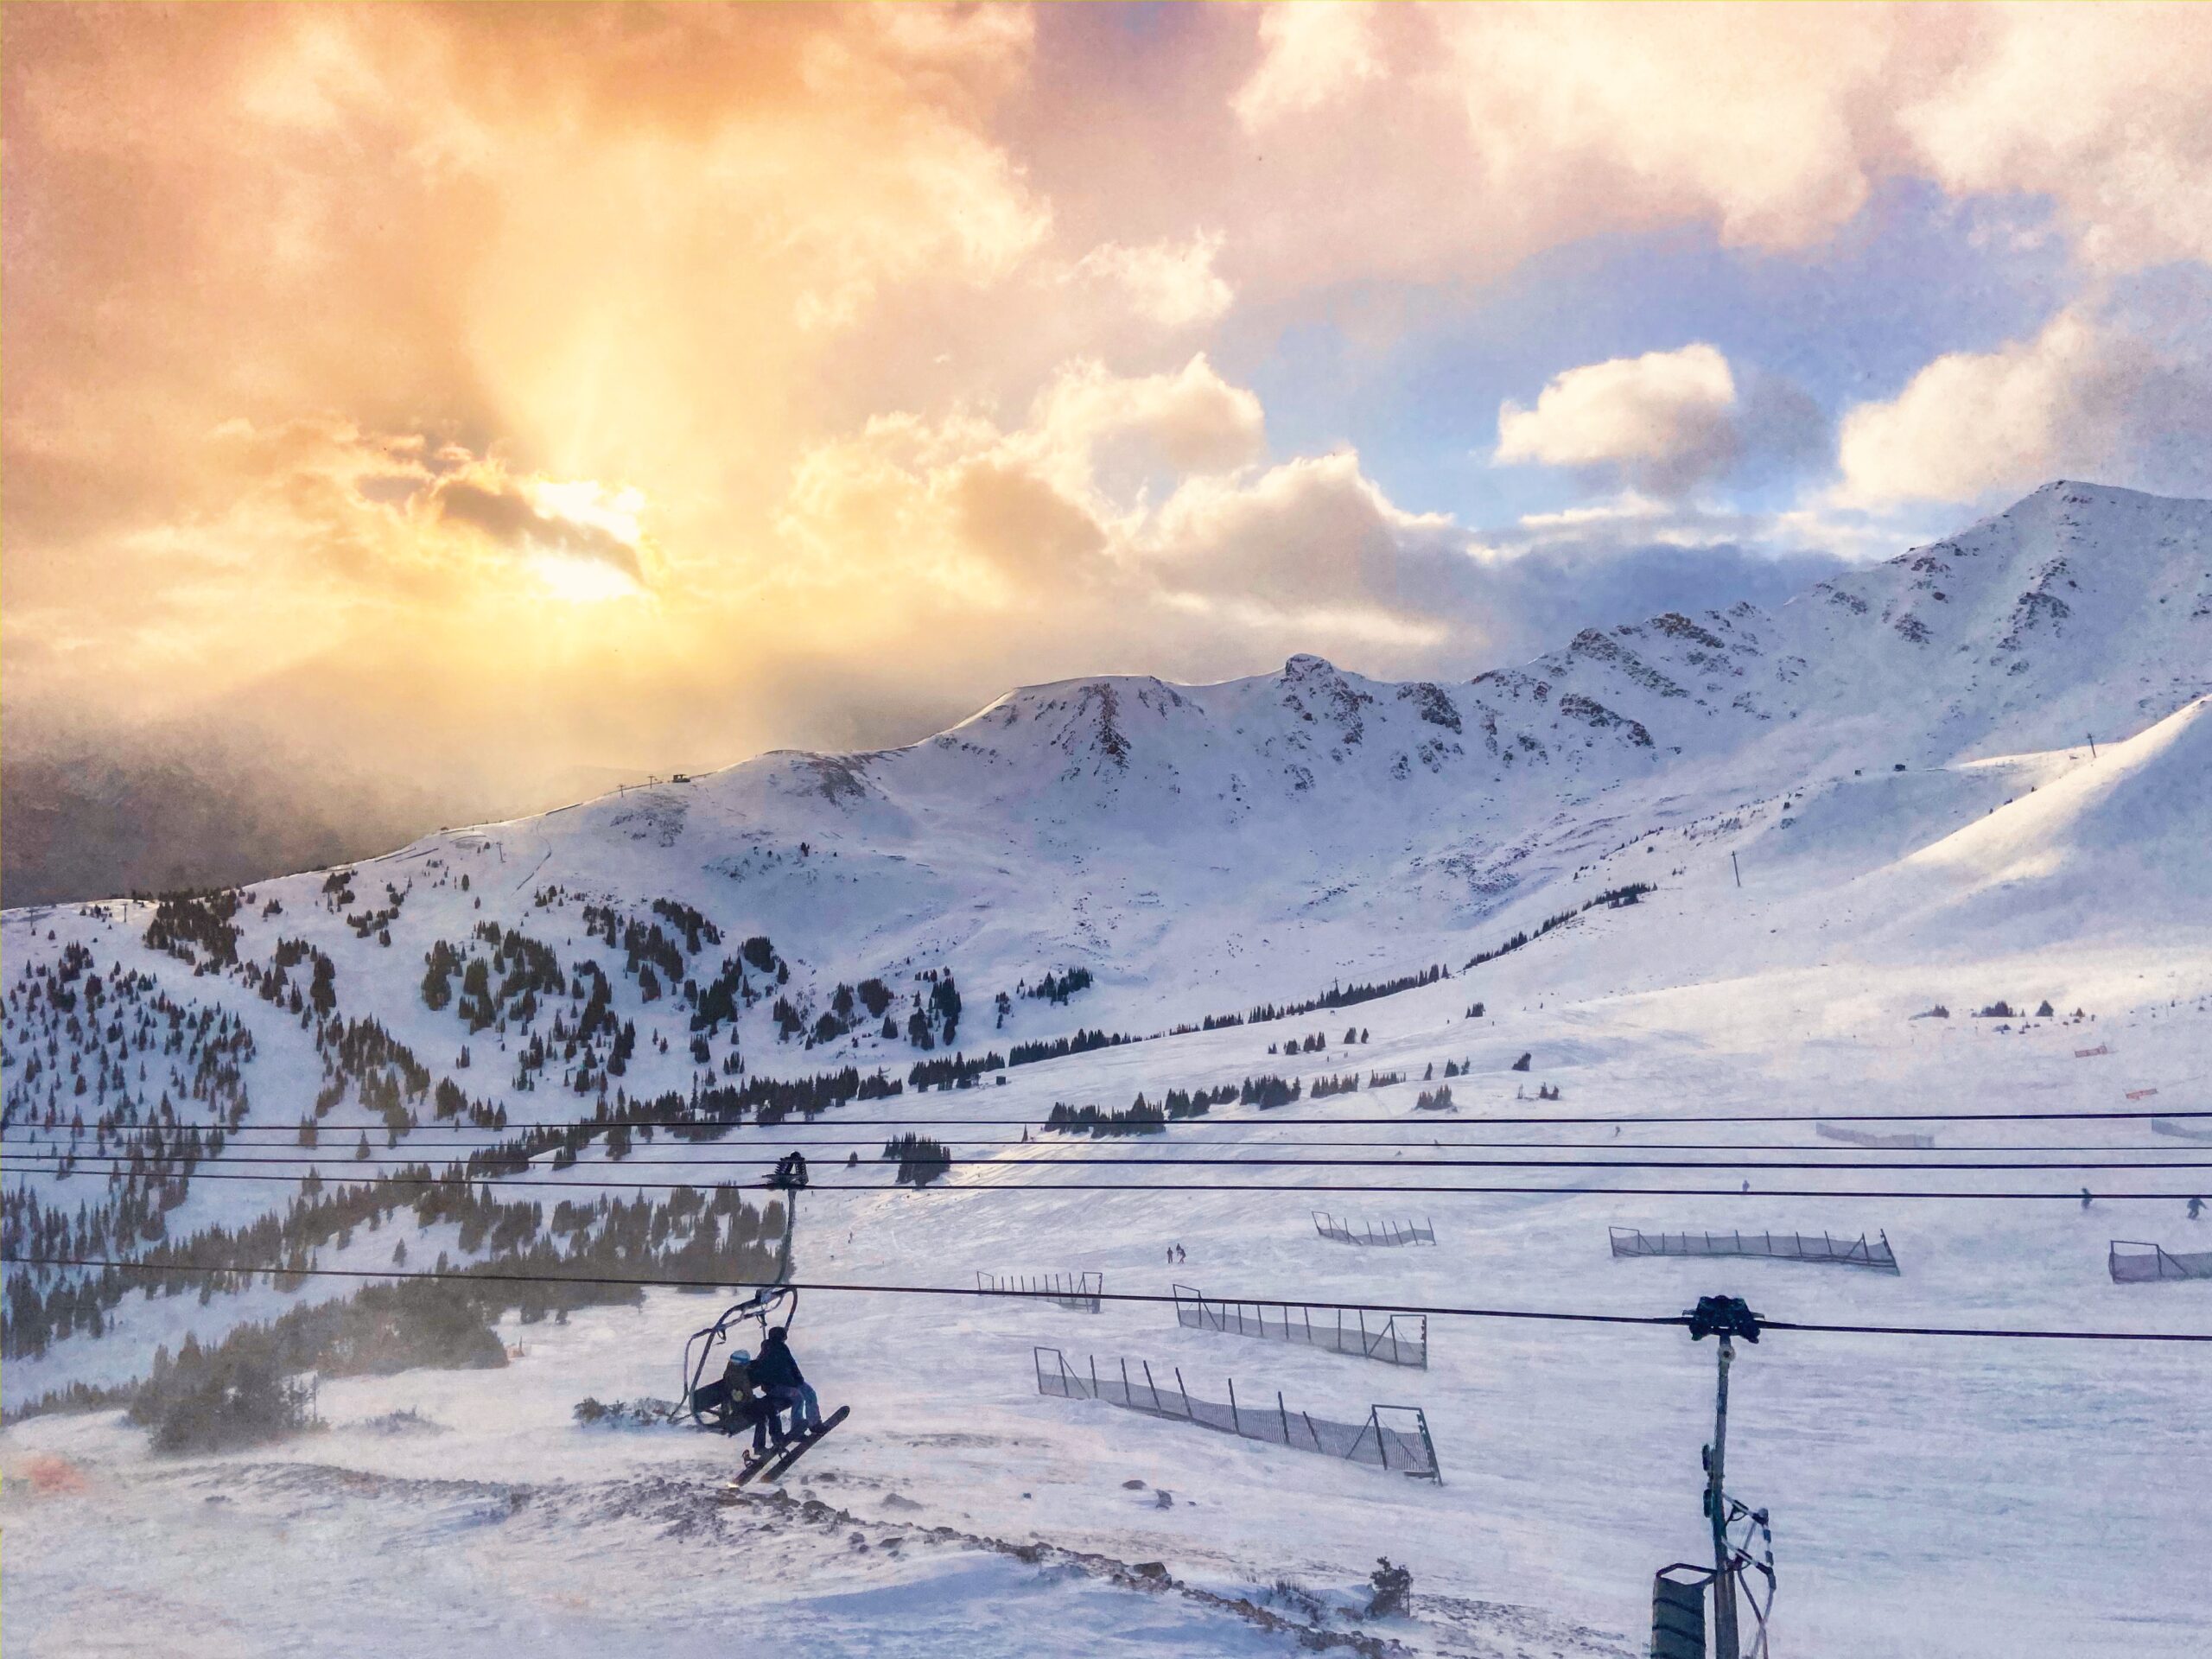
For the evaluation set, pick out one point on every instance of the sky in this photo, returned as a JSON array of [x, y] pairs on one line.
[[461, 404]]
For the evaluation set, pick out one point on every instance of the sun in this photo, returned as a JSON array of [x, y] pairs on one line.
[[580, 581]]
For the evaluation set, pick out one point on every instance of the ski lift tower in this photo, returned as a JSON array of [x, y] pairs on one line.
[[1677, 1629]]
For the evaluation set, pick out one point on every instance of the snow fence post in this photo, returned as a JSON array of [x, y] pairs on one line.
[[1235, 1421], [1185, 1393], [1283, 1411]]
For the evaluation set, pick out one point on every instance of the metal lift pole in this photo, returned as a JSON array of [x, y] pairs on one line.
[[1725, 1642], [1727, 1318]]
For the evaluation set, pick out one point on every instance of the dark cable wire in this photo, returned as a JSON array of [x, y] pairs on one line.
[[642, 1282], [586, 1183], [51, 1143], [1401, 1120], [1170, 1161]]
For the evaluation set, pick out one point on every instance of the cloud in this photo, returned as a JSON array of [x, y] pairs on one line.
[[1191, 421], [1666, 420], [888, 354], [963, 503], [1663, 423], [1308, 552], [1309, 55], [1312, 532], [2101, 109], [1173, 284], [1022, 524], [546, 522], [1140, 491], [2103, 392], [1426, 143]]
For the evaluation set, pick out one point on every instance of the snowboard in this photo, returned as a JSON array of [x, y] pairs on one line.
[[775, 1462]]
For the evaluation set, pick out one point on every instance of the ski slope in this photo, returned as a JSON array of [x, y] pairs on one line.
[[1930, 1494]]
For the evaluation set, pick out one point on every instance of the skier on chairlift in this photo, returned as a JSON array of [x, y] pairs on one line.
[[776, 1373]]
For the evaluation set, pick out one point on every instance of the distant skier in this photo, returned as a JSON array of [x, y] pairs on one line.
[[1181, 1256], [2196, 1208], [2086, 1200]]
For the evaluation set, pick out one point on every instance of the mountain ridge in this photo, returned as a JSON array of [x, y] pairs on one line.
[[1257, 837]]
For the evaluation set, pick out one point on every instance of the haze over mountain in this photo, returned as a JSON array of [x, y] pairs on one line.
[[1260, 834]]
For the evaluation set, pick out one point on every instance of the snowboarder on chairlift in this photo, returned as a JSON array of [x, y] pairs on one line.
[[732, 1399], [776, 1373]]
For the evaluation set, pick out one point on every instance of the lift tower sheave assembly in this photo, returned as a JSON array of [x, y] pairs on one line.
[[1677, 1629]]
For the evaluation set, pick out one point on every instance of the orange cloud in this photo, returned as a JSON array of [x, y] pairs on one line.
[[350, 348]]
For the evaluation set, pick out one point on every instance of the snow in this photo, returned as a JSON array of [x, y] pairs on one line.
[[1200, 847]]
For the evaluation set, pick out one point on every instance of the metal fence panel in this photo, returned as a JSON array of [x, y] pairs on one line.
[[1343, 1230], [2131, 1261], [1858, 1252], [1396, 1339], [1868, 1138], [1079, 1293], [1396, 1438]]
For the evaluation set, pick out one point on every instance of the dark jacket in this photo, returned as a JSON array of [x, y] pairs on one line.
[[774, 1368]]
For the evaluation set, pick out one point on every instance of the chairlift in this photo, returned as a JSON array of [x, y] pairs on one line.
[[708, 1402]]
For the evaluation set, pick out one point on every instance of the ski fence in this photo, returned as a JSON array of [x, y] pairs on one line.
[[1397, 1339], [1343, 1230], [1869, 1138], [1394, 1438], [2131, 1261], [1781, 1247], [1078, 1293]]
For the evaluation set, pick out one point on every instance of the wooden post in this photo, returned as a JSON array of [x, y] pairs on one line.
[[1235, 1421], [1284, 1412]]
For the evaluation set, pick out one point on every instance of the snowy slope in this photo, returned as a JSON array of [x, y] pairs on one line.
[[1198, 849]]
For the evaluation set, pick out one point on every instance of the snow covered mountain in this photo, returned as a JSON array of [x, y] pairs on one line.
[[1258, 834], [1744, 852]]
